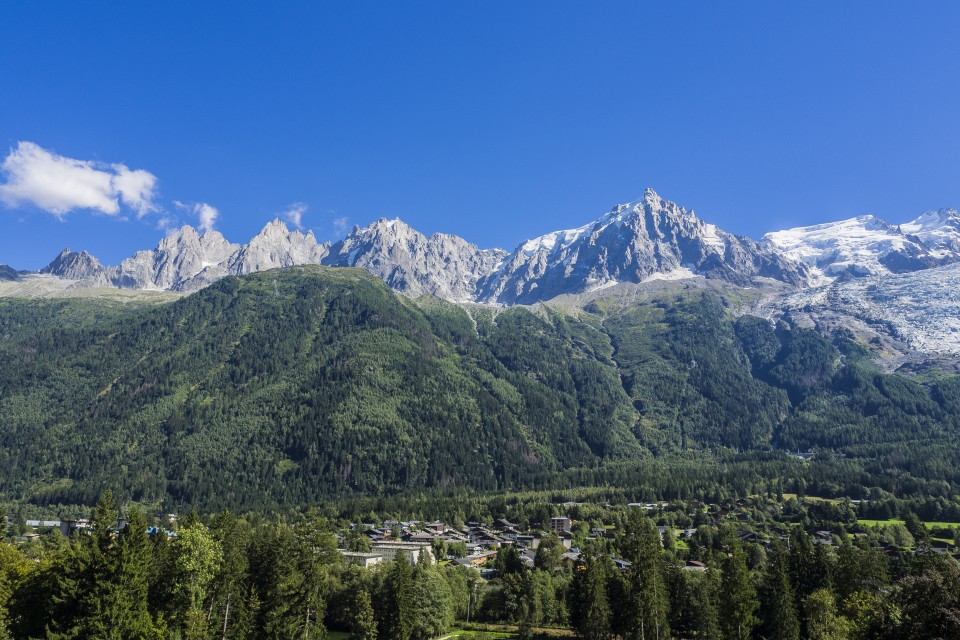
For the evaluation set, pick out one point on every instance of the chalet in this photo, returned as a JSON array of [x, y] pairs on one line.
[[436, 528], [694, 565], [420, 537], [528, 557], [531, 542], [502, 524], [477, 559], [621, 564]]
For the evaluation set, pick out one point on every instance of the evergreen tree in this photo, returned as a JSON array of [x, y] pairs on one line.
[[592, 607], [363, 624], [647, 604], [86, 600], [809, 569], [508, 560], [434, 604], [230, 587], [705, 621], [132, 618], [738, 598], [398, 606], [780, 613], [919, 531], [297, 565]]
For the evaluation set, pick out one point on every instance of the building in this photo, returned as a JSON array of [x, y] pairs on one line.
[[365, 560], [411, 550], [560, 523]]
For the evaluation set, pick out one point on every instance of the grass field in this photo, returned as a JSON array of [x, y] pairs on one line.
[[884, 523]]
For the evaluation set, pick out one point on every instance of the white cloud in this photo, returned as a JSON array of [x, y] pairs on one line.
[[167, 223], [340, 225], [206, 214], [59, 185], [294, 214]]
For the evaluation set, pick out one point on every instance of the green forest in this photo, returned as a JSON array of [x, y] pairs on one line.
[[309, 400], [762, 569], [311, 384]]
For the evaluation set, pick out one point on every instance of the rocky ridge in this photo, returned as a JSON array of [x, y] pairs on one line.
[[648, 239]]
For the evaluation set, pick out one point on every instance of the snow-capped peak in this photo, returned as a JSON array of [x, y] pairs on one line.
[[860, 246], [939, 230]]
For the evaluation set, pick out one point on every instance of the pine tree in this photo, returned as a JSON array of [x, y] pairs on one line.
[[230, 587], [807, 570], [592, 605], [363, 625], [397, 616], [434, 603], [131, 617], [647, 593], [780, 612], [86, 600], [738, 598]]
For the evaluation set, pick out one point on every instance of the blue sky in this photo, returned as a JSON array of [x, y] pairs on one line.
[[496, 121]]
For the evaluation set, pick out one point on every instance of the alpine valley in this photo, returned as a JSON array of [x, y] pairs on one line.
[[285, 370]]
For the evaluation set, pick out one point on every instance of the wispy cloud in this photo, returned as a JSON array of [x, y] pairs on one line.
[[206, 214], [294, 214], [59, 185], [340, 225]]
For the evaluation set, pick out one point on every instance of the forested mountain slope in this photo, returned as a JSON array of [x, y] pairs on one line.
[[294, 385]]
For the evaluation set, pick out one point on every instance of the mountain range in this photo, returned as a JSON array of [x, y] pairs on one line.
[[292, 386], [893, 284], [393, 362], [649, 239]]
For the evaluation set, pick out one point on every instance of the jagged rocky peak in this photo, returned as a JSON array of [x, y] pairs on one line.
[[178, 257], [277, 246], [650, 238], [72, 265], [8, 273], [861, 246], [443, 265]]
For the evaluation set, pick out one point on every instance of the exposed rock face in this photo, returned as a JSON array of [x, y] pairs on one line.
[[177, 259], [81, 266], [276, 246], [442, 265], [8, 273], [651, 238]]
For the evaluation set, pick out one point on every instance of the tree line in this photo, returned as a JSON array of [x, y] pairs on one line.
[[249, 577]]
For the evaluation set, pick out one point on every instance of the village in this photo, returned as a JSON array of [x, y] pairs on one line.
[[681, 525]]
